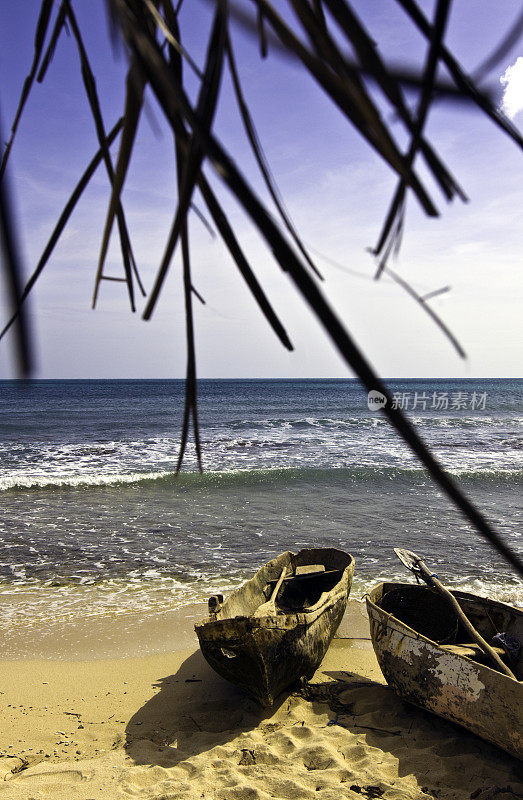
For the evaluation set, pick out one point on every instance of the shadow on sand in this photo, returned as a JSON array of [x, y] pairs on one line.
[[194, 710], [452, 755]]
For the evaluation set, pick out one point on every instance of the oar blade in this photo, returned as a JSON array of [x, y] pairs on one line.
[[408, 559]]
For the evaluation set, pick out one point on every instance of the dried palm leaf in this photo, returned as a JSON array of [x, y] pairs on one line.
[[261, 159], [59, 26], [203, 219], [13, 269], [216, 211], [373, 64], [135, 86], [62, 222], [182, 165], [262, 34], [395, 218], [422, 300], [227, 234], [205, 110], [356, 106], [94, 104], [41, 30], [464, 83], [404, 76], [173, 101]]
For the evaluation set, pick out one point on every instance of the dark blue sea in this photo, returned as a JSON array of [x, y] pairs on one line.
[[94, 520]]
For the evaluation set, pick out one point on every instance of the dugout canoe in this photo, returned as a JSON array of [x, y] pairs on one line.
[[276, 628], [428, 659]]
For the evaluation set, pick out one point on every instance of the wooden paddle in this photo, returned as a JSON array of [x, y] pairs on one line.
[[415, 564], [269, 608]]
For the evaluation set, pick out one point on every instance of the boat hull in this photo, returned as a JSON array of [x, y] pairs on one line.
[[454, 687], [265, 655]]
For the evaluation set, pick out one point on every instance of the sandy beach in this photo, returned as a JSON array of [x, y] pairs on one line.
[[89, 720]]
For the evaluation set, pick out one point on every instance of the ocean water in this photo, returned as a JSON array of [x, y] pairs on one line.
[[95, 522]]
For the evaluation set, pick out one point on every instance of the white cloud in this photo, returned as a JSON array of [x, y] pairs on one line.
[[512, 80]]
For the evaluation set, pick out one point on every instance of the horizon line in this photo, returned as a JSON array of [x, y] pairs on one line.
[[285, 378]]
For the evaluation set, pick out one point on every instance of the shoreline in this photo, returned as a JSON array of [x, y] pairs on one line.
[[128, 635], [88, 622], [164, 725]]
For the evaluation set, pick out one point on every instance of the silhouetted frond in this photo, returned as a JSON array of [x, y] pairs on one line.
[[194, 153], [94, 104], [422, 300], [62, 222], [13, 271], [464, 83], [394, 222], [262, 161], [41, 30], [133, 107], [313, 33]]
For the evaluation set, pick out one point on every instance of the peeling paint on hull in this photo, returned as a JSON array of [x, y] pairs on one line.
[[452, 686]]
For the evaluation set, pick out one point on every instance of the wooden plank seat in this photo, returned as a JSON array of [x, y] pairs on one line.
[[471, 650], [324, 574]]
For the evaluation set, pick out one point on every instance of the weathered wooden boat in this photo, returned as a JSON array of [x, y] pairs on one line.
[[426, 655], [277, 627]]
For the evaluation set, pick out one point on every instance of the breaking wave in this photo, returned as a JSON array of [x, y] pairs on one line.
[[248, 476]]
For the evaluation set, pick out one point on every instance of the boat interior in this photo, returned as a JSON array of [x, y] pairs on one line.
[[303, 589], [308, 574], [430, 614]]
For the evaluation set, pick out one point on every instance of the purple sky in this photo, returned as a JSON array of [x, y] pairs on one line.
[[335, 188]]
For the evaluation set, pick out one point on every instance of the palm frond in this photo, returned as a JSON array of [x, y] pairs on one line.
[[262, 34], [354, 104], [261, 159], [41, 30], [464, 83], [203, 219], [135, 86], [194, 154], [374, 65], [315, 39], [213, 205], [94, 104], [62, 222], [182, 165], [173, 101], [13, 270], [59, 26], [406, 77], [395, 218], [231, 242], [422, 300]]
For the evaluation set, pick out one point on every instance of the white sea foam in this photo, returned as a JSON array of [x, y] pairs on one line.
[[318, 468], [30, 481], [464, 444], [36, 605]]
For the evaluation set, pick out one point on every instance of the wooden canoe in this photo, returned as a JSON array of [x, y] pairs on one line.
[[427, 658], [265, 649]]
